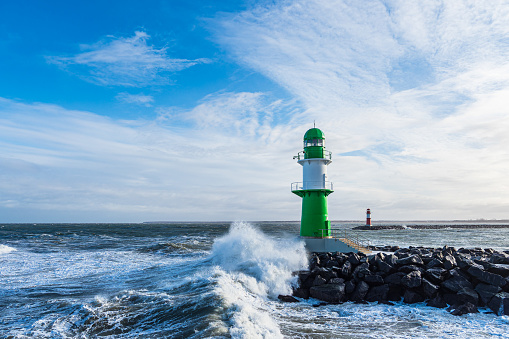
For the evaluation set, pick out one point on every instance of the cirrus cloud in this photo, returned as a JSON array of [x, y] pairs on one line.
[[119, 61]]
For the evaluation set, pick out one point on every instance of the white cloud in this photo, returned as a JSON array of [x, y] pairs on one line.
[[56, 162], [118, 61], [416, 89], [138, 99]]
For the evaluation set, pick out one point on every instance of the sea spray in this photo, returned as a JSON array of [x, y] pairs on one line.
[[6, 249], [251, 268]]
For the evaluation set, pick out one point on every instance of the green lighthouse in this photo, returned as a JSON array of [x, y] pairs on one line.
[[314, 187]]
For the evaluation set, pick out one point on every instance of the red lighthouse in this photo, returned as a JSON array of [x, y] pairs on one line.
[[368, 217]]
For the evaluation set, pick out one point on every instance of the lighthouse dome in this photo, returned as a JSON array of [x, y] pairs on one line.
[[314, 133]]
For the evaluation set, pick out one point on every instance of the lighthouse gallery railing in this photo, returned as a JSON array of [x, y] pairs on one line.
[[302, 155], [312, 185]]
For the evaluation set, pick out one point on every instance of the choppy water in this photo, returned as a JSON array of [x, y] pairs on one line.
[[201, 280]]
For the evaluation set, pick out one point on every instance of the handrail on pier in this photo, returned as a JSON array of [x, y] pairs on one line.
[[354, 240]]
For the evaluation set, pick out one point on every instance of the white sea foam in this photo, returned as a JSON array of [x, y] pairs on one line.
[[6, 249], [250, 268]]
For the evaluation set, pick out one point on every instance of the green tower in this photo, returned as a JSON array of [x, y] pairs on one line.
[[314, 187]]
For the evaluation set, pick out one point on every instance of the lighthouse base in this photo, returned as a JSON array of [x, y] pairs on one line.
[[331, 244]]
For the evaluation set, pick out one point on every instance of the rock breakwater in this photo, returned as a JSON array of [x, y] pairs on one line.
[[461, 280]]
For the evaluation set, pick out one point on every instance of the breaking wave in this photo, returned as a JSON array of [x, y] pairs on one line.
[[250, 270]]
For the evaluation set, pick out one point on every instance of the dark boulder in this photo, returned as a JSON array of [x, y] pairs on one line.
[[354, 259], [449, 262], [487, 277], [395, 278], [361, 271], [319, 280], [464, 309], [486, 292], [435, 263], [384, 267], [361, 289], [456, 283], [500, 269], [287, 298], [412, 297], [411, 260], [301, 293], [429, 288], [436, 275], [500, 303], [468, 295], [306, 279], [395, 293], [410, 268], [346, 270], [412, 279], [437, 301], [332, 293], [378, 293], [349, 286], [391, 259], [499, 258], [336, 281], [374, 280]]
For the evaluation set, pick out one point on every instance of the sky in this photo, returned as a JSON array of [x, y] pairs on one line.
[[133, 111]]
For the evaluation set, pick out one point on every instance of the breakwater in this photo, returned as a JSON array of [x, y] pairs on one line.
[[461, 280], [428, 227]]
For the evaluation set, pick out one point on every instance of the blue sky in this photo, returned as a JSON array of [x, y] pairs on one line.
[[129, 111]]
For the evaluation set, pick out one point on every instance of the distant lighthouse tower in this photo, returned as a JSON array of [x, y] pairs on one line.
[[368, 217], [314, 187]]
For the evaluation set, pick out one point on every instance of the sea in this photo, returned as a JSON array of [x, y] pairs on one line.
[[205, 280]]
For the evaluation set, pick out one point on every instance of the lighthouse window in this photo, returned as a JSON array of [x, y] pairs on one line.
[[313, 142]]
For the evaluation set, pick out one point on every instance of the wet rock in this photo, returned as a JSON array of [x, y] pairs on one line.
[[464, 309], [354, 259], [435, 263], [336, 281], [499, 258], [301, 293], [346, 270], [436, 275], [384, 267], [287, 298], [486, 292], [374, 280], [429, 288], [360, 291], [395, 293], [437, 301], [500, 269], [349, 286], [412, 279], [449, 262], [412, 297], [391, 259], [361, 271], [411, 260], [319, 280], [326, 273], [332, 293], [499, 304], [378, 293], [410, 268], [456, 283], [468, 295], [395, 278], [487, 277]]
